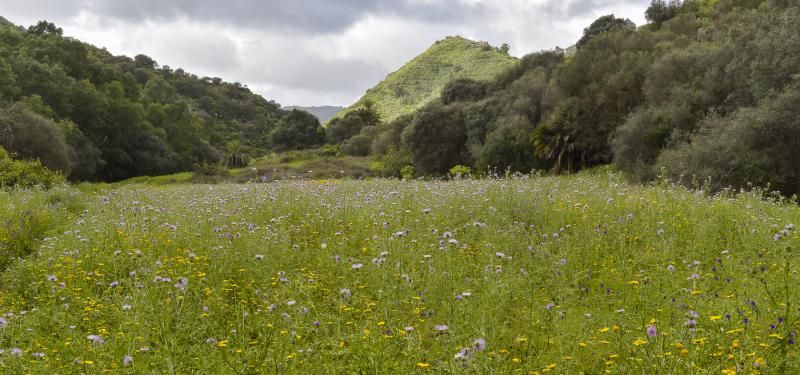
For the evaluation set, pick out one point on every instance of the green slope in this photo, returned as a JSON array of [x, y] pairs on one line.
[[422, 79]]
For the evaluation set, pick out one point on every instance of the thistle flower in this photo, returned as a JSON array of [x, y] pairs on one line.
[[479, 344], [651, 331]]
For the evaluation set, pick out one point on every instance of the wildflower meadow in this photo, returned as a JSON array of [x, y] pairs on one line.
[[526, 275]]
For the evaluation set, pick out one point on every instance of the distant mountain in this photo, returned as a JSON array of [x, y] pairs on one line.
[[323, 113], [421, 80]]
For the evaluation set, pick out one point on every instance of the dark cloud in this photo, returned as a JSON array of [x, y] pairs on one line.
[[307, 16]]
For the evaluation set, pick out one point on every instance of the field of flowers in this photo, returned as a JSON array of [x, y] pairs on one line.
[[581, 274]]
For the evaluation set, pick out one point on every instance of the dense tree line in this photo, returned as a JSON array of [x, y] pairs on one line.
[[95, 116], [708, 89]]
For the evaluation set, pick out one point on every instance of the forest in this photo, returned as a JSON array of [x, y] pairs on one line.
[[98, 117]]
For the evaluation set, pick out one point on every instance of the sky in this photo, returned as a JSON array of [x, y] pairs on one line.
[[311, 52]]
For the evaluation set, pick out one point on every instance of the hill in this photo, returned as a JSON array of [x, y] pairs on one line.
[[95, 116], [421, 80], [323, 113]]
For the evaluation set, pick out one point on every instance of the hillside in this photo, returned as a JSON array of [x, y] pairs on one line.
[[95, 116], [323, 113], [421, 80]]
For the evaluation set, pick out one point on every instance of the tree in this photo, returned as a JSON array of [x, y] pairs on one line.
[[44, 27], [297, 130], [463, 89], [437, 139], [605, 24], [8, 81], [144, 61], [661, 11], [31, 136], [235, 156]]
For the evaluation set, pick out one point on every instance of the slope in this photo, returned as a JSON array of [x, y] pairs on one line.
[[421, 80]]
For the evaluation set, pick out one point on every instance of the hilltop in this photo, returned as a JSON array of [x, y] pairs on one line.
[[421, 80]]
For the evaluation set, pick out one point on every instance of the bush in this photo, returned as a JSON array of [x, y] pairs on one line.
[[26, 173], [408, 172], [753, 146], [393, 162], [460, 171]]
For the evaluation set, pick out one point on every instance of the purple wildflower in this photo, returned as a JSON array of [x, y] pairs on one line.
[[52, 278], [479, 344], [651, 331], [441, 328], [127, 360], [345, 293], [356, 266], [463, 354], [96, 339]]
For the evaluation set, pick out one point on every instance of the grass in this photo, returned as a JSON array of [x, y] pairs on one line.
[[421, 80], [580, 274]]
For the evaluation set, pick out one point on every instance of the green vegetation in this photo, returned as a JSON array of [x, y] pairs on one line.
[[26, 216], [578, 274], [706, 91], [421, 80], [93, 116], [26, 174]]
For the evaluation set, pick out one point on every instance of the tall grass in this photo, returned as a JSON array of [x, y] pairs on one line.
[[581, 274]]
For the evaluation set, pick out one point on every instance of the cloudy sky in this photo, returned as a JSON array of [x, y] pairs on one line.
[[311, 52]]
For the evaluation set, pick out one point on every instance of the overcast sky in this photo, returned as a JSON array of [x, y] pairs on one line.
[[311, 52]]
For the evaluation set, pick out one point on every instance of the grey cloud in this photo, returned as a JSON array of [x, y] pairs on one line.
[[311, 51], [580, 8], [293, 15]]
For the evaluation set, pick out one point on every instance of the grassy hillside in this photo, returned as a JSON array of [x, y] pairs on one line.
[[422, 79]]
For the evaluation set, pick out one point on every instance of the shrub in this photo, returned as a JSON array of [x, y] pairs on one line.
[[460, 171], [408, 172], [26, 173]]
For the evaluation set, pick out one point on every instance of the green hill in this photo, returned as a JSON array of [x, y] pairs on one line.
[[94, 116], [421, 80]]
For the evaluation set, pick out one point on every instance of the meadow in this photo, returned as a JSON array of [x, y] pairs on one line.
[[528, 274]]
